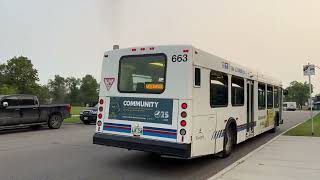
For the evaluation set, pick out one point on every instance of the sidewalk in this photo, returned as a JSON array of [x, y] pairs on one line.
[[288, 157]]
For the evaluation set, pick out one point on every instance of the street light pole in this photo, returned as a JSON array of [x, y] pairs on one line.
[[311, 103], [311, 112], [309, 70]]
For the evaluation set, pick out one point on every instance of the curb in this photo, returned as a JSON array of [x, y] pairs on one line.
[[241, 160]]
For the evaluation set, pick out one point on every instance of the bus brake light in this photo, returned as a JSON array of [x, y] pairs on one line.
[[101, 101], [183, 114], [184, 105], [100, 108], [183, 123]]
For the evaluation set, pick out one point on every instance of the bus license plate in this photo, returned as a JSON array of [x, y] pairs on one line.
[[137, 130]]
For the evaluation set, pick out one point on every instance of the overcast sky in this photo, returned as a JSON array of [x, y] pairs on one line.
[[69, 37]]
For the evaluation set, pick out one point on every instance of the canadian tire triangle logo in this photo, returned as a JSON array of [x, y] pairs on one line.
[[108, 82]]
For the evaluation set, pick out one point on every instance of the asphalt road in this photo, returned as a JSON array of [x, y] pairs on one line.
[[68, 153]]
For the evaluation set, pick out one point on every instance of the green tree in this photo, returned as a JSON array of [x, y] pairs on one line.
[[73, 95], [20, 74], [43, 94], [4, 89], [298, 92], [89, 90], [58, 90], [2, 75]]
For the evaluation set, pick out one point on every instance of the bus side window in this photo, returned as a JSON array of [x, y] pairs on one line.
[[269, 96], [197, 77], [218, 89], [261, 96], [276, 97], [237, 91]]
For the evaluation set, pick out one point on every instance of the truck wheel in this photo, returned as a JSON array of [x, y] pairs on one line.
[[228, 142], [55, 121]]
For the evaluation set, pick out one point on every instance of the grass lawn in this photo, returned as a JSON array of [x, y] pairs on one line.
[[75, 110], [74, 119], [304, 129]]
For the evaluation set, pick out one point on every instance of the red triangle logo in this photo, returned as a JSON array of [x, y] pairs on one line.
[[108, 82]]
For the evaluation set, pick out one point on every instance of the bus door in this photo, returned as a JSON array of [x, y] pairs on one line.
[[250, 109]]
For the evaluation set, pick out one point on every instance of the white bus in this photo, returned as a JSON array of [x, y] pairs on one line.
[[183, 102]]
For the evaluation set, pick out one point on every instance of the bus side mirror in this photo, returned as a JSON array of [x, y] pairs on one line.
[[5, 104], [285, 92]]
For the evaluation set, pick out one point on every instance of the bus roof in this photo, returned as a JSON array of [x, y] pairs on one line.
[[215, 62], [207, 60]]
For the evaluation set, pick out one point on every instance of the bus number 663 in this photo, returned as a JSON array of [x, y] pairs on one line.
[[179, 58]]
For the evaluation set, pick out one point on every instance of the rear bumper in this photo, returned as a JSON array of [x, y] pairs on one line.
[[147, 145]]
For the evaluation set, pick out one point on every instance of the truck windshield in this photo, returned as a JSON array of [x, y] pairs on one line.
[[142, 74]]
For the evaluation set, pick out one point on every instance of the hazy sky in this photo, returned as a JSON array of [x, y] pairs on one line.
[[69, 37]]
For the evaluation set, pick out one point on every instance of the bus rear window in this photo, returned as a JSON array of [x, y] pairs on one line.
[[142, 74]]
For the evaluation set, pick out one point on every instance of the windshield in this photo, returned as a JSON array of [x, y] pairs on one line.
[[142, 74]]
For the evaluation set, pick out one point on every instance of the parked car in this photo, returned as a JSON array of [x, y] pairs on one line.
[[24, 110], [89, 115]]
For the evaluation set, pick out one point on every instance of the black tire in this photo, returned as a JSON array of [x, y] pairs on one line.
[[55, 121], [273, 130], [86, 122], [276, 119], [228, 142]]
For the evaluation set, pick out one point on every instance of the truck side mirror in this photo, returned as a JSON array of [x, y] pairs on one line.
[[5, 104]]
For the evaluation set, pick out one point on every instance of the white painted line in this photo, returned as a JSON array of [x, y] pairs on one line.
[[241, 160]]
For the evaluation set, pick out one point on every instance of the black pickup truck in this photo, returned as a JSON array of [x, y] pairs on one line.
[[24, 110]]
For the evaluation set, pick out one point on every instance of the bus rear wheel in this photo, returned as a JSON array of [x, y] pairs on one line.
[[228, 142]]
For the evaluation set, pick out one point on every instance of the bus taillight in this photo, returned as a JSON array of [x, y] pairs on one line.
[[100, 108], [183, 123], [101, 101], [100, 116], [183, 114], [184, 105]]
